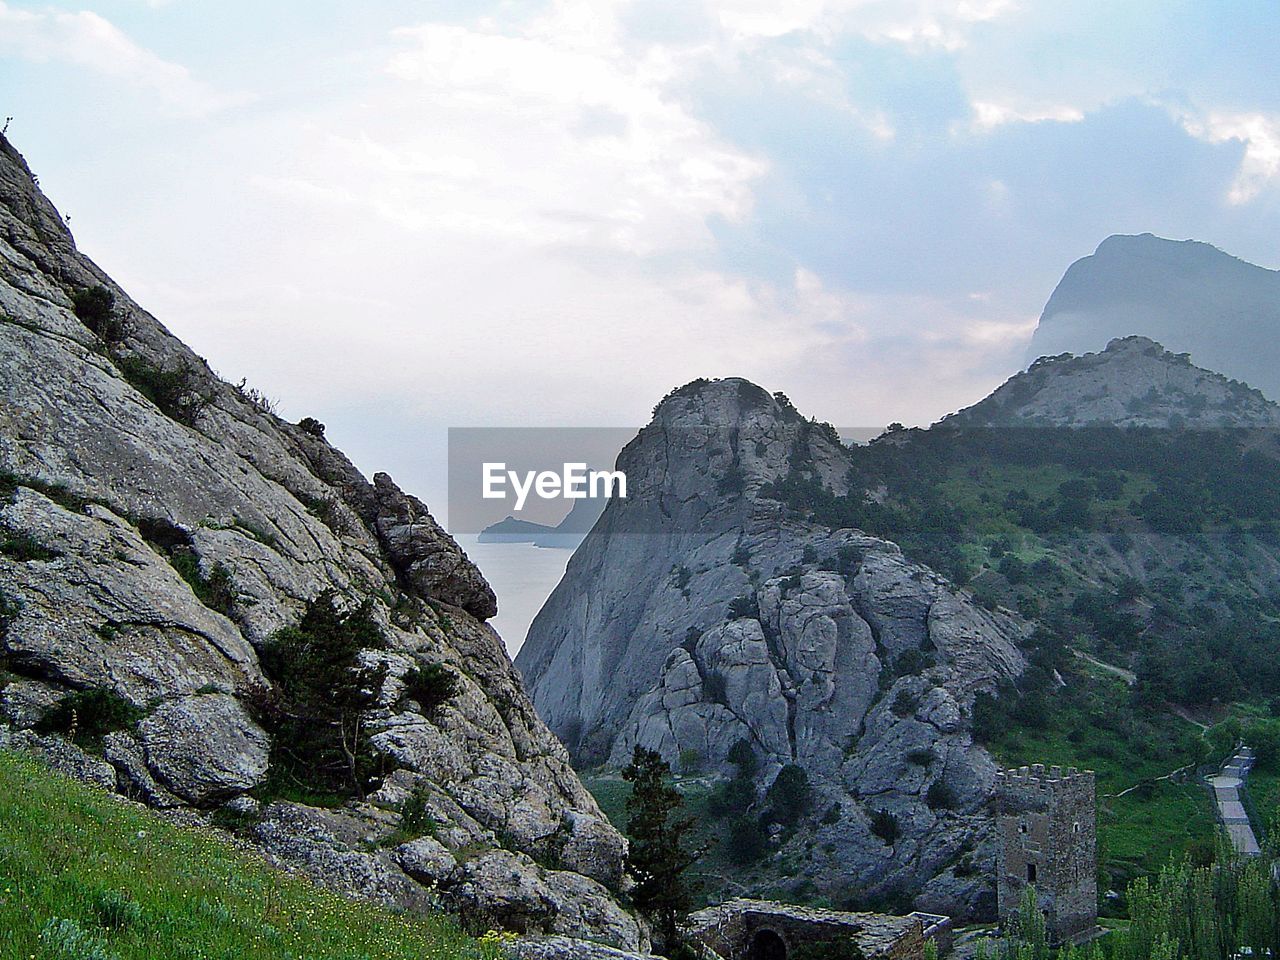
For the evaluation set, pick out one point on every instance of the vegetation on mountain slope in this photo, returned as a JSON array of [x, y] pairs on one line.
[[1152, 552], [87, 876]]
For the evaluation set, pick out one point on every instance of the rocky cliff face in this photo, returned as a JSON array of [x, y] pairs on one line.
[[160, 525], [1134, 382], [696, 614], [1189, 296]]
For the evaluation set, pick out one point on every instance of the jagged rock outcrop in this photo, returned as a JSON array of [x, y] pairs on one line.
[[1134, 382], [1189, 296], [159, 526], [698, 613]]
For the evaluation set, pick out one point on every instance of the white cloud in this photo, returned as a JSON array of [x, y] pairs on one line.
[[523, 206], [988, 115], [87, 40], [920, 23], [1260, 135], [551, 134]]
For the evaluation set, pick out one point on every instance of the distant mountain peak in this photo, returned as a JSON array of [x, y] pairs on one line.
[[1186, 294], [1133, 382]]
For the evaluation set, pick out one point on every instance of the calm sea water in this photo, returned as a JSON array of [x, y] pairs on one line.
[[522, 576]]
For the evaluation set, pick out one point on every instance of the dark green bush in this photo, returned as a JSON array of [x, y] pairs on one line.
[[312, 426], [316, 710], [736, 795], [990, 718], [415, 816], [216, 591], [789, 796], [175, 390], [744, 606], [733, 482], [715, 688], [905, 703], [96, 309], [911, 662], [9, 610], [416, 821], [432, 685], [940, 796], [850, 558], [884, 825], [680, 576], [922, 757], [744, 757], [89, 715], [691, 637], [747, 840]]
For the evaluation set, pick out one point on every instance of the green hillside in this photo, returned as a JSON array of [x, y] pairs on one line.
[[1153, 553], [86, 876]]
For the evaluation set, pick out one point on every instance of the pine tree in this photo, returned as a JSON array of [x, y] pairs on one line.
[[659, 854], [316, 711]]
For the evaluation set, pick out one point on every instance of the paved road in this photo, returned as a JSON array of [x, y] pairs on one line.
[[1226, 791]]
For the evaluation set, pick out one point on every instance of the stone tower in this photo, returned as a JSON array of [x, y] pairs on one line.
[[1047, 823]]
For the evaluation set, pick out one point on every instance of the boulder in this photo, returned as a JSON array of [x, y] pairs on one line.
[[427, 860], [594, 849], [510, 891], [205, 748]]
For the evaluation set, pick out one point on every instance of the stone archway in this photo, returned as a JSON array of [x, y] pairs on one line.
[[766, 945]]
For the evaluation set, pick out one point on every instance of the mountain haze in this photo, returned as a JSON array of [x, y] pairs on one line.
[[1189, 296]]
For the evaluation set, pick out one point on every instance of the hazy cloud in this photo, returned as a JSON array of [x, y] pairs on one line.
[[553, 212], [90, 41]]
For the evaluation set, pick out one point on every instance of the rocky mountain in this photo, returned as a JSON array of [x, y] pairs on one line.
[[699, 613], [1189, 296], [159, 528], [1134, 382]]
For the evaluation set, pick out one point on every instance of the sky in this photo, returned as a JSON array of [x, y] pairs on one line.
[[404, 217]]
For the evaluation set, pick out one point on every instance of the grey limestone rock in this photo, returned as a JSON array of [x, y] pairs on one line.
[[110, 490], [205, 748], [698, 613], [500, 888], [1133, 382], [566, 948]]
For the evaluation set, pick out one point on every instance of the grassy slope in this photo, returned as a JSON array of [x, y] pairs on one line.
[[1140, 832], [72, 853]]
